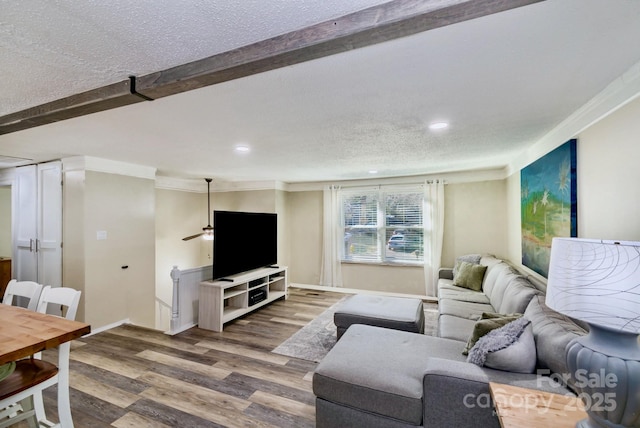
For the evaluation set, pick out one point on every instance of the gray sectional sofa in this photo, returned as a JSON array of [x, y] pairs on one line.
[[378, 377]]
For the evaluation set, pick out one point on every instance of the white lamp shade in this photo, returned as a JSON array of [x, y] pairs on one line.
[[596, 281]]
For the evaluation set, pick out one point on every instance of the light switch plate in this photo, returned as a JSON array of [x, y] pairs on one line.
[[101, 235]]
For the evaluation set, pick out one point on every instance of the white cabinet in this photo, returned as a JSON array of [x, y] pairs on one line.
[[37, 223], [223, 301]]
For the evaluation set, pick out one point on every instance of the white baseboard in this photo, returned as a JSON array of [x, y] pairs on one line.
[[359, 291], [181, 329], [108, 327]]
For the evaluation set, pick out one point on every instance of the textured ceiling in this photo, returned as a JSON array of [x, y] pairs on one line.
[[502, 81], [52, 49]]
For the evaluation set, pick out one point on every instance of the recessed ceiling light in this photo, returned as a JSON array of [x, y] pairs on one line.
[[438, 125], [373, 171], [242, 149]]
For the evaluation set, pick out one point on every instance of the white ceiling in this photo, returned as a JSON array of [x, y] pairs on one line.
[[502, 81]]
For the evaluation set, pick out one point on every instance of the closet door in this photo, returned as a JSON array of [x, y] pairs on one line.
[[37, 252], [25, 200], [49, 224]]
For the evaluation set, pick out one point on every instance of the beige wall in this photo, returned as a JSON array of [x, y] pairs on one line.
[[475, 219], [5, 221], [250, 201], [73, 236], [608, 177], [124, 208], [284, 240], [305, 232], [389, 279], [475, 216], [178, 214]]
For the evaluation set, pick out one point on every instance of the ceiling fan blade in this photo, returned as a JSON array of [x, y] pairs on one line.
[[192, 236]]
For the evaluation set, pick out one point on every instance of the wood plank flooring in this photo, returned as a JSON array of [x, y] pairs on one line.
[[134, 377]]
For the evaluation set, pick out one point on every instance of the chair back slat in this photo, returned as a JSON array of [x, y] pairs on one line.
[[64, 296], [27, 289]]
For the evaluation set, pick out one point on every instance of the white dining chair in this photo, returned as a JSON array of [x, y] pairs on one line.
[[21, 392], [27, 289]]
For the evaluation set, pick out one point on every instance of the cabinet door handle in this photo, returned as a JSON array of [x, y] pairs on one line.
[[31, 245], [37, 244]]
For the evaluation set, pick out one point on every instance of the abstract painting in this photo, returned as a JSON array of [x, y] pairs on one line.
[[548, 204]]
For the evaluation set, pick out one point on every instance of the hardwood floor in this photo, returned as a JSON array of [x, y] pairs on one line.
[[135, 377]]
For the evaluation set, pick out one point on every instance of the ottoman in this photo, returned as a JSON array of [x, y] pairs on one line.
[[397, 313]]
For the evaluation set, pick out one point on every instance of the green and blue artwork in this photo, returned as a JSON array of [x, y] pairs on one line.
[[548, 204]]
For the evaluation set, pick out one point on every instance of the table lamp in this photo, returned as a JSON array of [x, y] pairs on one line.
[[598, 282]]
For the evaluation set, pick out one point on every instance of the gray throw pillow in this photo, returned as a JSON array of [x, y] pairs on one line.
[[469, 276], [469, 258], [519, 357]]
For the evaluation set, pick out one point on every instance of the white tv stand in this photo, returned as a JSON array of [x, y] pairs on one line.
[[222, 301]]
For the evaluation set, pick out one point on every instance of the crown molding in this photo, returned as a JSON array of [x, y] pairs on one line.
[[243, 186], [181, 184], [88, 163], [618, 93], [217, 185], [453, 177]]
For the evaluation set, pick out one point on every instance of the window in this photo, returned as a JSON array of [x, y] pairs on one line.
[[383, 225]]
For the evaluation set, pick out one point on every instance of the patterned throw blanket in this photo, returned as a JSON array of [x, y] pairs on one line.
[[495, 340]]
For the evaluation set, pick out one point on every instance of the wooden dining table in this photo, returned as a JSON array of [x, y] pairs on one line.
[[24, 332]]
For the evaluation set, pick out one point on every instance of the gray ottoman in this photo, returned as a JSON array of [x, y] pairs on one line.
[[398, 313]]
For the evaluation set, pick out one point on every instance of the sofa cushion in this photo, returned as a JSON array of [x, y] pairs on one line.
[[552, 332], [488, 322], [490, 260], [380, 370], [517, 296], [468, 310], [469, 275], [462, 294], [500, 287], [456, 328], [493, 270]]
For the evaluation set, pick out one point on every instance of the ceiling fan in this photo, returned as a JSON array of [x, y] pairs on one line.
[[207, 231]]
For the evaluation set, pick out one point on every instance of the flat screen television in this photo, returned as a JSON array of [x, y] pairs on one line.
[[243, 241]]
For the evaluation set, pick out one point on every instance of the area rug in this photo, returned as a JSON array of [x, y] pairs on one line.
[[313, 341]]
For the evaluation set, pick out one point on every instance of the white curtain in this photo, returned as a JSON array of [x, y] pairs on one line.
[[332, 239], [433, 209]]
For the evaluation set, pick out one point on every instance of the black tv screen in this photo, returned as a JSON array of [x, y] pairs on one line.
[[243, 241]]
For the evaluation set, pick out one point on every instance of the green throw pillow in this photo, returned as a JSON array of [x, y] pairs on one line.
[[469, 275], [7, 369], [489, 321]]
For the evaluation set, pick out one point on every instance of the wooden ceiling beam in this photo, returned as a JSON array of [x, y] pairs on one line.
[[377, 24], [385, 22], [100, 99]]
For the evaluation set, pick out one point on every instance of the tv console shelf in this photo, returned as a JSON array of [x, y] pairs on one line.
[[224, 300]]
